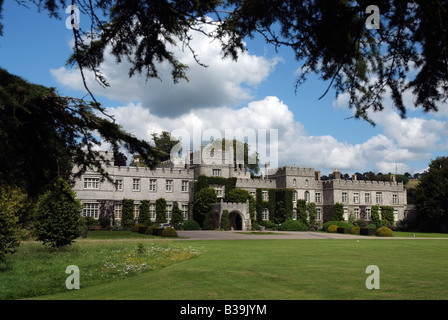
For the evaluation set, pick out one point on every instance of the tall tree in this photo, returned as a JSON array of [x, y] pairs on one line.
[[203, 204], [120, 159], [332, 39], [375, 216], [250, 159], [144, 216], [127, 213], [13, 204], [160, 210], [431, 196], [302, 214], [44, 135], [176, 216], [312, 213], [338, 213], [164, 143]]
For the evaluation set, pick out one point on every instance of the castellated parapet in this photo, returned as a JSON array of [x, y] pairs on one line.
[[292, 171], [363, 185], [252, 184], [143, 172]]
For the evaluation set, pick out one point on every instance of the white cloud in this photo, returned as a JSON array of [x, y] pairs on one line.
[[210, 99], [224, 82], [414, 138], [378, 153]]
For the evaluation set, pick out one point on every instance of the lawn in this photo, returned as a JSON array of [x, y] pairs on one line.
[[35, 270], [267, 269]]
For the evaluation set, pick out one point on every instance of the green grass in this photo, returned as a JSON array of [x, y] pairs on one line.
[[420, 234], [35, 270], [109, 234], [275, 269]]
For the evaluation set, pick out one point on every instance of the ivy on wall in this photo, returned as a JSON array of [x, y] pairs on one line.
[[127, 213], [205, 182], [279, 204]]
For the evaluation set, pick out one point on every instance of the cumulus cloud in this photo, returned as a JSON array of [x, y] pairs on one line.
[[224, 82], [414, 138], [379, 153], [220, 98]]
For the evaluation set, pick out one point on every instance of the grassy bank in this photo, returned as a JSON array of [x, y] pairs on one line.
[[287, 269], [35, 270]]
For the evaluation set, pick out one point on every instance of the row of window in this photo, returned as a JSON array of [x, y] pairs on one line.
[[318, 197], [94, 183], [93, 210], [367, 198], [294, 182], [357, 211], [265, 214]]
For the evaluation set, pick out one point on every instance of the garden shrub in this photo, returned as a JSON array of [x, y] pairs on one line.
[[333, 228], [150, 229], [344, 229], [225, 223], [360, 223], [104, 222], [255, 225], [157, 231], [293, 225], [384, 232], [190, 225], [142, 230], [90, 221], [355, 230], [137, 226], [57, 220], [268, 224], [169, 232], [341, 224]]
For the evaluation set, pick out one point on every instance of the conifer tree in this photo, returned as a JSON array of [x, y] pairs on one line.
[[57, 221]]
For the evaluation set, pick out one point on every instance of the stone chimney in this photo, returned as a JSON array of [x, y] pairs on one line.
[[266, 169], [355, 177], [336, 174]]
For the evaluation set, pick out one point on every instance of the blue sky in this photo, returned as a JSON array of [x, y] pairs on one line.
[[255, 92]]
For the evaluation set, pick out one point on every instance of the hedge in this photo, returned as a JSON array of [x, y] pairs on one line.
[[367, 231], [142, 229], [341, 224], [344, 229]]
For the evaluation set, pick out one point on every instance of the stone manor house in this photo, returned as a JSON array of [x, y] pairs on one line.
[[175, 182]]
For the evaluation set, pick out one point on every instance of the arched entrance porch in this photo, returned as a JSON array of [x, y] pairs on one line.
[[239, 216], [236, 220]]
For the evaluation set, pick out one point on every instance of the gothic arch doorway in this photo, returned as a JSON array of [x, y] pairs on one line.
[[236, 220]]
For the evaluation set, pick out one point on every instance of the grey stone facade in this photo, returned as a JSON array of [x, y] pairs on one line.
[[176, 183]]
